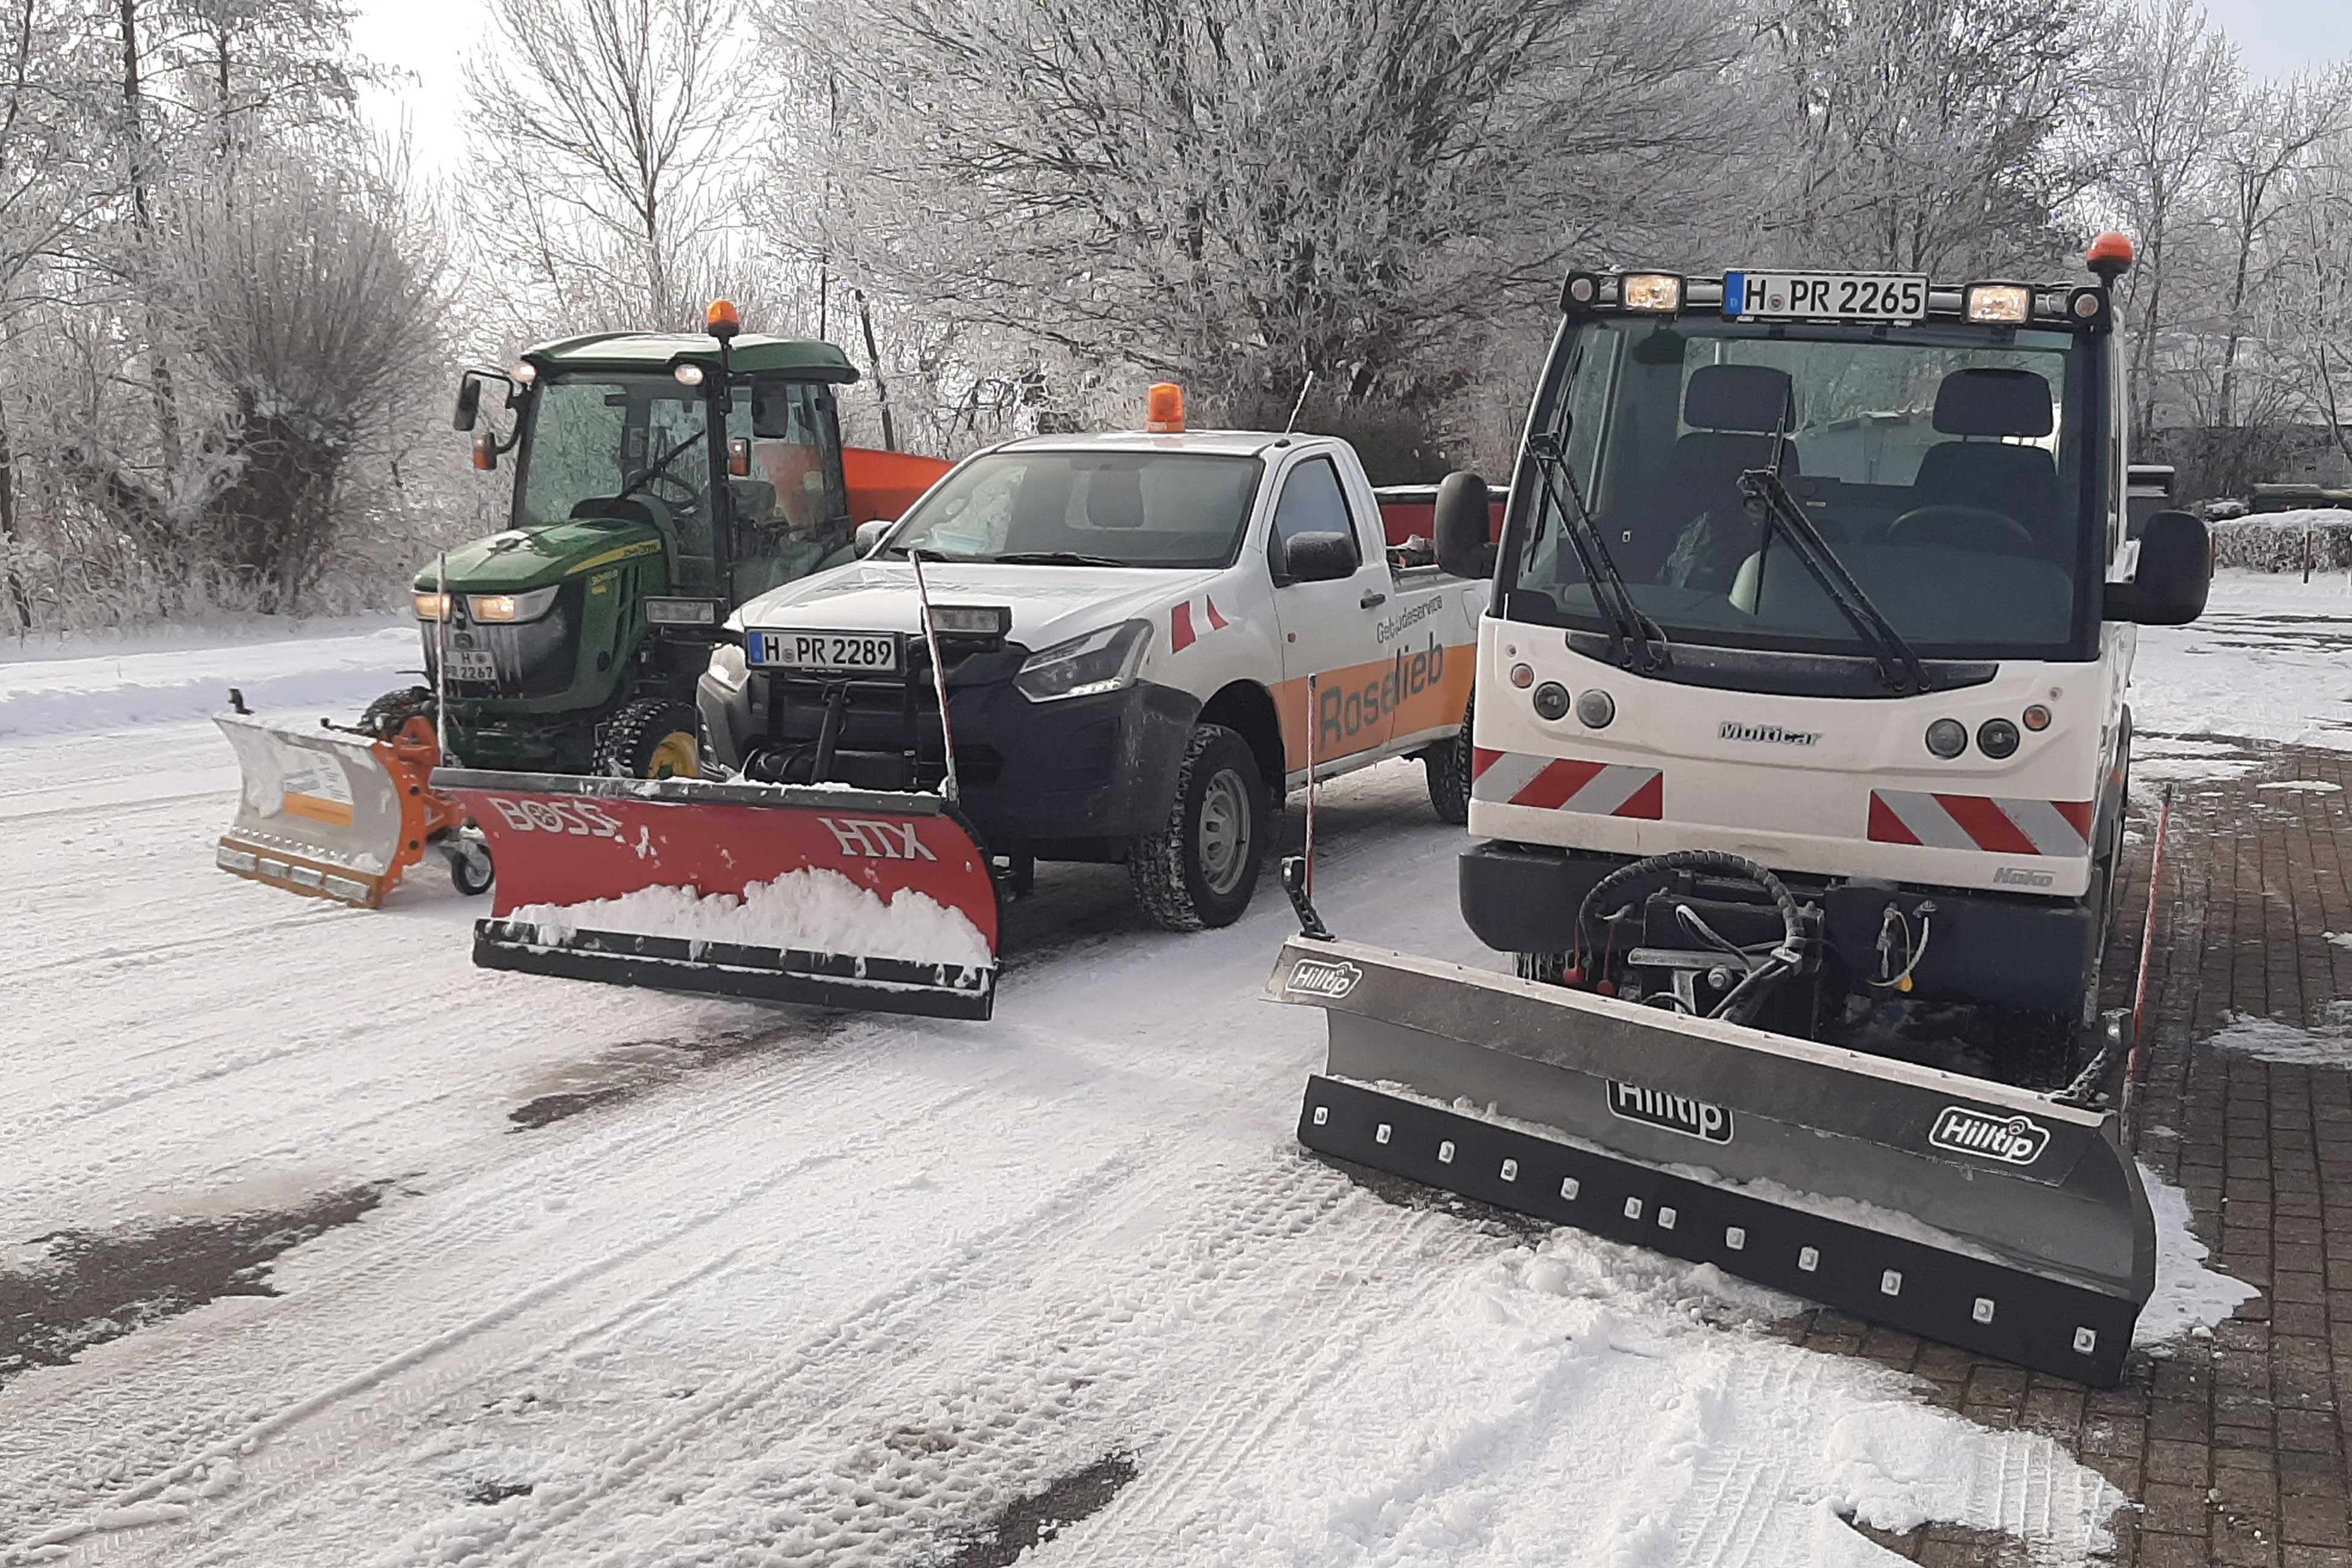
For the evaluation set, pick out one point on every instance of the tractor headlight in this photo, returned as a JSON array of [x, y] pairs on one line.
[[1102, 661], [432, 606], [507, 609]]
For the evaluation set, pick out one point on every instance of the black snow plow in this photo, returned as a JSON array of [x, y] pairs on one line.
[[1997, 1219]]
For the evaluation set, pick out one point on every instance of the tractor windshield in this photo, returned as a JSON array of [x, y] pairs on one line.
[[638, 446], [1944, 466]]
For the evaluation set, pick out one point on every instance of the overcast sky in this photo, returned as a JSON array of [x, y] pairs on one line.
[[430, 37]]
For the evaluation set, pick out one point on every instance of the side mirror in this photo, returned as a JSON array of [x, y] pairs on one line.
[[2167, 587], [1318, 557], [869, 535], [469, 403], [1464, 520], [485, 449]]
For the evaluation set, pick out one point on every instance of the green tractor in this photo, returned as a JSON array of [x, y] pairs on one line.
[[660, 480]]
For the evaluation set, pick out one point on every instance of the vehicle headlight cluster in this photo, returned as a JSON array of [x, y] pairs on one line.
[[1103, 660], [1998, 737]]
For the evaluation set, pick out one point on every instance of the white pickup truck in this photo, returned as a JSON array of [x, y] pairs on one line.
[[1130, 626]]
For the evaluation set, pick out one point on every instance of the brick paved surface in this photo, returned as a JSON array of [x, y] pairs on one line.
[[2232, 1448]]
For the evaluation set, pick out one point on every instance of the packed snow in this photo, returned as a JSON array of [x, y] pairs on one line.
[[2271, 659], [811, 910], [660, 1279], [63, 690], [2188, 1296], [2328, 1041]]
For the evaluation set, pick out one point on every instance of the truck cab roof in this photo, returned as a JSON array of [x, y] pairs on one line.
[[753, 354], [1216, 443]]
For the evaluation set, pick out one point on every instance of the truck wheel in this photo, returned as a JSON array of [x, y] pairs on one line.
[[1449, 776], [1202, 868], [1550, 968], [470, 870], [650, 738]]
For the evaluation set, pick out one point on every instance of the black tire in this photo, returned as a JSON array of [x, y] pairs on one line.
[[385, 717], [1449, 774], [651, 738], [1550, 968], [1181, 880], [472, 871]]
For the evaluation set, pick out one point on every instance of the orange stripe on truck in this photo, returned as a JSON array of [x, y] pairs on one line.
[[1367, 705]]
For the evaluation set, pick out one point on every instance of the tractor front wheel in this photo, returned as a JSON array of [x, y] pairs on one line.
[[650, 738]]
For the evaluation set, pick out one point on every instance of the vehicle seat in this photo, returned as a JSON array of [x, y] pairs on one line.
[[2018, 481], [1732, 410], [1115, 497]]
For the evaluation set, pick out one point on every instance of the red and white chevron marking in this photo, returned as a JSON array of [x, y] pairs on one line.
[[1562, 783], [1191, 621], [1980, 822]]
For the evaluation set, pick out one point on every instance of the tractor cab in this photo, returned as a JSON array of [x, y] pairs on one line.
[[660, 480]]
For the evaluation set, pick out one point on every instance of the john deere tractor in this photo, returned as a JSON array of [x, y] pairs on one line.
[[659, 480]]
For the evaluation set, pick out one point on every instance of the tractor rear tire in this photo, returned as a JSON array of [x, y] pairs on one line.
[[651, 738], [1449, 776], [1200, 869]]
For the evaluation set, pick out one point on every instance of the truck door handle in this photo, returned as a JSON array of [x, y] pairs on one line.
[[1371, 596]]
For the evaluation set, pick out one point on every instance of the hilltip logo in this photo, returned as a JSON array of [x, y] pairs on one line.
[[1733, 730], [2018, 877], [1322, 977], [2013, 1140], [1691, 1118]]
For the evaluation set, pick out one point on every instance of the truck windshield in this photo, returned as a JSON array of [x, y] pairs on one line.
[[1117, 508], [1942, 465]]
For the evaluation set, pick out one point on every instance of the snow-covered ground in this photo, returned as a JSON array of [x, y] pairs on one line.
[[790, 1287], [2271, 659]]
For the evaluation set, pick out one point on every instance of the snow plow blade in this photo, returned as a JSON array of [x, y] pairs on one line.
[[836, 898], [319, 813], [1992, 1218]]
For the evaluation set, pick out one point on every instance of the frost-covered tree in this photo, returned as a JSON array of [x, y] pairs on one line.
[[1239, 192], [614, 146]]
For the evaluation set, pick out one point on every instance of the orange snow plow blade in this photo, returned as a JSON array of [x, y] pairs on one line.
[[883, 485], [331, 814], [840, 897]]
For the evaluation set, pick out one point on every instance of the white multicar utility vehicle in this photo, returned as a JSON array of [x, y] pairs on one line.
[[1800, 766], [1119, 649], [1129, 626]]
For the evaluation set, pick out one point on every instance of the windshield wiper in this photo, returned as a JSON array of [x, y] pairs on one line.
[[1768, 497], [1637, 642], [1052, 558], [650, 475]]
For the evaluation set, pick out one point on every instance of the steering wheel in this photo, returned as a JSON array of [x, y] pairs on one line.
[[686, 497], [1962, 527]]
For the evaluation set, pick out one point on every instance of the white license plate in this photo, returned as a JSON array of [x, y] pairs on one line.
[[472, 663], [871, 651], [1825, 296]]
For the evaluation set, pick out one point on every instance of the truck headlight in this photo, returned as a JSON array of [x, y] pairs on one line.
[[507, 609], [1102, 661]]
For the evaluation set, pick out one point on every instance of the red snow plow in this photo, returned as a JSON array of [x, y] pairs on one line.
[[874, 899]]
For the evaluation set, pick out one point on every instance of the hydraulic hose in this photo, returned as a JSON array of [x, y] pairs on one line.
[[1742, 997]]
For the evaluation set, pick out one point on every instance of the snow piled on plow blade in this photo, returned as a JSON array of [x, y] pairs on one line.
[[878, 900]]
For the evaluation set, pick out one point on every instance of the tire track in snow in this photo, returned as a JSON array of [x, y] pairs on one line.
[[387, 1384]]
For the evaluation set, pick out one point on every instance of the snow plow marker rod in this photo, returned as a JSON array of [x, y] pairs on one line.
[[1987, 1218], [868, 857]]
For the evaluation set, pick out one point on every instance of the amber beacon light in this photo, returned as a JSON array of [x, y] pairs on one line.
[[1163, 409]]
